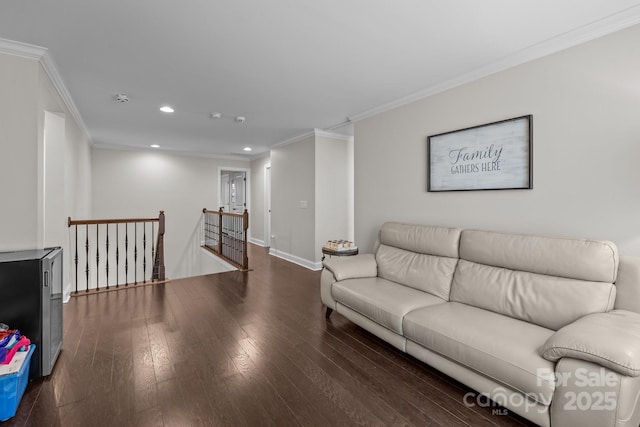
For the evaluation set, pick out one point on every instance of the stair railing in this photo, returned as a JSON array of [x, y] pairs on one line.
[[225, 235], [115, 253]]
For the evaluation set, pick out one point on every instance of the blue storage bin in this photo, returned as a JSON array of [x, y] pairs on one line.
[[12, 388]]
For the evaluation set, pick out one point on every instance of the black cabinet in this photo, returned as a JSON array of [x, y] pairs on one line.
[[31, 301]]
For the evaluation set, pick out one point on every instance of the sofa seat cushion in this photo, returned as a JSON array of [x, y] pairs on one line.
[[381, 300], [499, 347]]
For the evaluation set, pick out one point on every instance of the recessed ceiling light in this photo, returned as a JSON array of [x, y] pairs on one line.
[[154, 146], [247, 148], [166, 109]]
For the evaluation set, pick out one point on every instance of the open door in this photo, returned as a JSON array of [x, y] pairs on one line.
[[233, 191]]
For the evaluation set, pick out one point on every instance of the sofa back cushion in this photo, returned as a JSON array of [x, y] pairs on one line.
[[583, 259], [547, 281], [420, 256], [548, 301], [423, 239]]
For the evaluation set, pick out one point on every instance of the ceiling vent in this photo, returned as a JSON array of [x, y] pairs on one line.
[[121, 97]]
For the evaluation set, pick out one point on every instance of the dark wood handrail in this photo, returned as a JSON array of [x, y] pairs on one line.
[[221, 212], [71, 222]]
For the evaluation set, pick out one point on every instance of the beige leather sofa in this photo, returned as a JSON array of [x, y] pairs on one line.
[[549, 328]]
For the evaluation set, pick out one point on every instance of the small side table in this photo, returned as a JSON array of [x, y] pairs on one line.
[[331, 252]]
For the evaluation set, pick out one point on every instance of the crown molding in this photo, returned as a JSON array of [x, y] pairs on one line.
[[23, 50], [312, 133], [169, 151], [332, 135], [42, 55], [334, 128], [293, 140], [577, 36], [262, 155], [52, 71]]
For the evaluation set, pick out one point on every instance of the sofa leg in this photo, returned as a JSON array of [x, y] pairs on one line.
[[328, 313]]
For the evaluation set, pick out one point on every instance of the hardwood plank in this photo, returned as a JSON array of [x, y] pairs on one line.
[[78, 386], [172, 404], [144, 379], [163, 361], [253, 412], [226, 410], [41, 413], [122, 385], [317, 400], [339, 392], [151, 417], [268, 398], [416, 408]]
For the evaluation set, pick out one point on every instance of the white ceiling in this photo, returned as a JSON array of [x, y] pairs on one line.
[[288, 66]]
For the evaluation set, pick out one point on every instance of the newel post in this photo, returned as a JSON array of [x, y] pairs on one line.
[[245, 227], [220, 230], [160, 247]]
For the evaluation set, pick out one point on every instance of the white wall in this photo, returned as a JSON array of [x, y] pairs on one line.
[[64, 172], [141, 183], [18, 153], [585, 103], [334, 191], [292, 182], [258, 213], [78, 172], [316, 170], [44, 161]]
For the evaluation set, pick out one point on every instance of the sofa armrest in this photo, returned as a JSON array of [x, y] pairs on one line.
[[609, 339], [352, 267]]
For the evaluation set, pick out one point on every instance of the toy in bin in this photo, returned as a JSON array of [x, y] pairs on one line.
[[15, 357], [11, 341]]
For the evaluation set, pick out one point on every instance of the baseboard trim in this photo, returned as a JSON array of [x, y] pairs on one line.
[[257, 241], [296, 259]]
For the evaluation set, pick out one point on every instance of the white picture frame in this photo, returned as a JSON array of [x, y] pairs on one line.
[[493, 156]]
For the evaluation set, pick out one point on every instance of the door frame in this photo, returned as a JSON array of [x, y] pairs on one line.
[[247, 195]]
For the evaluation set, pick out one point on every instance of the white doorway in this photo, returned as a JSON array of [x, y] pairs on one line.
[[234, 194]]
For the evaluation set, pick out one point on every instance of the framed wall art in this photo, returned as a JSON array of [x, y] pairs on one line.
[[494, 156]]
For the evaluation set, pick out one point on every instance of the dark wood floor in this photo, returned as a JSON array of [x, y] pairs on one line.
[[231, 349]]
